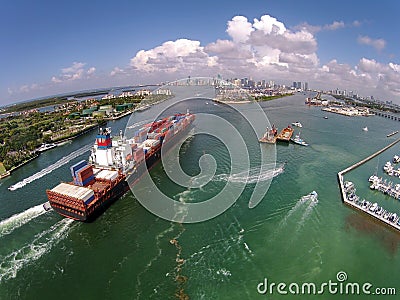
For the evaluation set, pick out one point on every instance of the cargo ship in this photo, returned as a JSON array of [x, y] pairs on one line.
[[115, 163]]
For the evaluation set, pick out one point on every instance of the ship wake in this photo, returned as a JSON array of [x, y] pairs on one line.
[[51, 168], [15, 221], [41, 244], [253, 175], [305, 205]]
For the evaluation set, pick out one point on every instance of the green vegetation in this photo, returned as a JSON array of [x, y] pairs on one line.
[[34, 104], [268, 98], [2, 169], [23, 133], [369, 104]]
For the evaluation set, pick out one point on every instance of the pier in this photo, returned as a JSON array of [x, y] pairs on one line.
[[386, 115], [353, 204]]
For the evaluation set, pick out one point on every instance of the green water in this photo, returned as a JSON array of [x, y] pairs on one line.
[[127, 252]]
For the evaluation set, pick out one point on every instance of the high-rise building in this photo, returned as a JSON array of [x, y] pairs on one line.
[[299, 85], [306, 86], [263, 83], [237, 82]]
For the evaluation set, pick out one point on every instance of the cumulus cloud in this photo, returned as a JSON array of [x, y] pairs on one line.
[[117, 71], [75, 71], [91, 71], [269, 25], [172, 56], [335, 25], [239, 28], [262, 45], [265, 47], [378, 44], [368, 76], [25, 88]]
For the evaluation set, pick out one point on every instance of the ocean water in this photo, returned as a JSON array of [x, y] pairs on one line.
[[131, 253]]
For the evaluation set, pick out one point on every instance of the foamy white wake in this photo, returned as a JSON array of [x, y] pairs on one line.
[[51, 168], [253, 175], [308, 202], [15, 221], [40, 245]]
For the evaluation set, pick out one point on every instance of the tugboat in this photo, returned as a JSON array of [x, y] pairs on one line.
[[298, 140]]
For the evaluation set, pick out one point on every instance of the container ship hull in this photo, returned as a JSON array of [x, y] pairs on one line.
[[96, 186]]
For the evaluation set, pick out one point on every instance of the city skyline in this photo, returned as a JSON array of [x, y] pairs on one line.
[[51, 49]]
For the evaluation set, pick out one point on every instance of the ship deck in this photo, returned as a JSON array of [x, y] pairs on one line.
[[285, 134]]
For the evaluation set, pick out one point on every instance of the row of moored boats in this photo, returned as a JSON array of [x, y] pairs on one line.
[[384, 186], [371, 208]]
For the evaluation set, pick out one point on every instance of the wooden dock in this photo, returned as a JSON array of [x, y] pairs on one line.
[[343, 192]]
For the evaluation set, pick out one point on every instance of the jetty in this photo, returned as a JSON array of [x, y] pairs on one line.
[[353, 204]]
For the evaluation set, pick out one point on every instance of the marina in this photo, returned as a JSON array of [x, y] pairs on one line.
[[48, 248], [349, 197], [372, 209], [387, 188]]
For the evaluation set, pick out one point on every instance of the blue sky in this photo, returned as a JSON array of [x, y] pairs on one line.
[[50, 47]]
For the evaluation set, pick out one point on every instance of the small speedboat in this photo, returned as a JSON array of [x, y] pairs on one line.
[[297, 124], [313, 197], [365, 128]]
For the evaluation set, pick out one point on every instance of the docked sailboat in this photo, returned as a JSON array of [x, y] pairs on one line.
[[298, 140]]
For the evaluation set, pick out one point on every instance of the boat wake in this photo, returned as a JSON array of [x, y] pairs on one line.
[[254, 175], [30, 252], [305, 215], [15, 221], [305, 203], [213, 261], [51, 168]]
